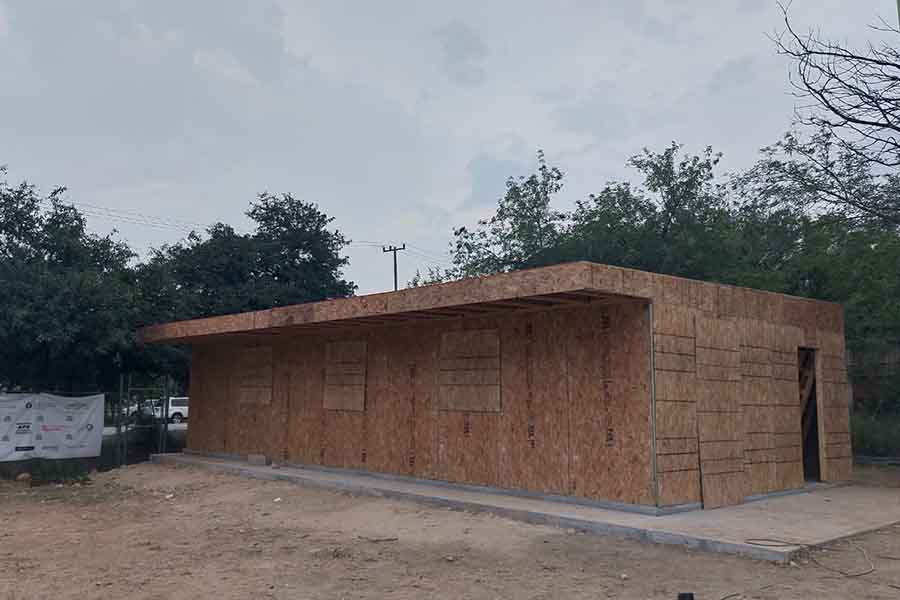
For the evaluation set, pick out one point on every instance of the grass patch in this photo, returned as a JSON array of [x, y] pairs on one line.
[[876, 435]]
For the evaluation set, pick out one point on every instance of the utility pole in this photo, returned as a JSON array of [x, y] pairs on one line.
[[396, 249]]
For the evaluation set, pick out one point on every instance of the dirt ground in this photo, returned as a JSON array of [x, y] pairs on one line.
[[149, 531]]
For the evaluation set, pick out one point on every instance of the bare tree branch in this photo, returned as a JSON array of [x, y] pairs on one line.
[[854, 94]]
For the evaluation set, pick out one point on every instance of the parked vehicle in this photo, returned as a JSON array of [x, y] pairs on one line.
[[178, 409]]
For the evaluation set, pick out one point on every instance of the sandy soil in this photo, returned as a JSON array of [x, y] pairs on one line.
[[150, 531]]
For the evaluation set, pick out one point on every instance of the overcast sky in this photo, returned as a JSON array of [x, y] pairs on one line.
[[400, 119]]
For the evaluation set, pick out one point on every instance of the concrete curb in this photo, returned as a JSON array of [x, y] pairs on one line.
[[371, 488], [515, 493]]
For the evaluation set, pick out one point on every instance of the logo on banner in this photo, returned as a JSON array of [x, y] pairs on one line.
[[23, 428]]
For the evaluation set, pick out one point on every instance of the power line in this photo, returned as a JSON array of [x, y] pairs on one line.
[[133, 213], [431, 254], [440, 261], [132, 217]]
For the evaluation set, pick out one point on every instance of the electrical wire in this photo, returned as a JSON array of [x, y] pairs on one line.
[[133, 217], [811, 548]]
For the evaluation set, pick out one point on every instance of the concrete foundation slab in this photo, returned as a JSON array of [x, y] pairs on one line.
[[773, 529]]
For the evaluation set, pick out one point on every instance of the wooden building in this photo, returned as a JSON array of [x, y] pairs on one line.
[[578, 379]]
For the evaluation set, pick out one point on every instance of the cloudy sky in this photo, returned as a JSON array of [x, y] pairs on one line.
[[400, 119]]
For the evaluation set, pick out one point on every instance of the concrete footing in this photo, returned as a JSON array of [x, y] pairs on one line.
[[801, 520]]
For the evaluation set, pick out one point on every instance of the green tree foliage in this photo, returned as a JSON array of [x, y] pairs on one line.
[[520, 232], [291, 257], [65, 310], [677, 222], [72, 301]]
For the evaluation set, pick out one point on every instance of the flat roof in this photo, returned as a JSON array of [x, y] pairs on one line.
[[575, 283]]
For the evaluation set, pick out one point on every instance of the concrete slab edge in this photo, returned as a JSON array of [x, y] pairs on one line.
[[779, 555], [607, 504], [811, 487]]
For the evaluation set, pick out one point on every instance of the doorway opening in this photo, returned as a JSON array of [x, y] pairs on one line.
[[809, 414]]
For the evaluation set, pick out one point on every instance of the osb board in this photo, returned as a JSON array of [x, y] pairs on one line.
[[468, 447], [675, 387], [723, 489], [682, 445], [676, 419], [528, 445], [469, 376], [811, 317], [256, 402], [277, 424], [345, 375], [253, 375], [673, 320], [759, 395], [673, 344], [423, 430], [608, 372], [761, 477], [305, 436], [345, 439], [833, 399], [679, 487], [209, 391], [391, 411], [548, 280], [534, 439], [788, 475], [720, 427]]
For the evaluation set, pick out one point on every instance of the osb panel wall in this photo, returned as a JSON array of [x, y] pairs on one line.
[[574, 415], [832, 394], [236, 402], [611, 420], [345, 375], [719, 411], [726, 390], [469, 376], [209, 398], [675, 378]]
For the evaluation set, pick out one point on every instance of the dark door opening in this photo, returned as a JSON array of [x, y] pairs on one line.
[[809, 417]]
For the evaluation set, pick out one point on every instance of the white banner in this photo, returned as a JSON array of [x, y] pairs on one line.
[[48, 426]]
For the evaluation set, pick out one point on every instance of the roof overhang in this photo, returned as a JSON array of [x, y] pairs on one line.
[[578, 284]]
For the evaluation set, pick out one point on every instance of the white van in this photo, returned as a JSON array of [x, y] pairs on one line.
[[178, 409]]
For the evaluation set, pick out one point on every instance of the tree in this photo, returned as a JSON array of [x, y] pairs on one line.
[[72, 301], [291, 257], [65, 314], [678, 222], [522, 229], [852, 106]]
